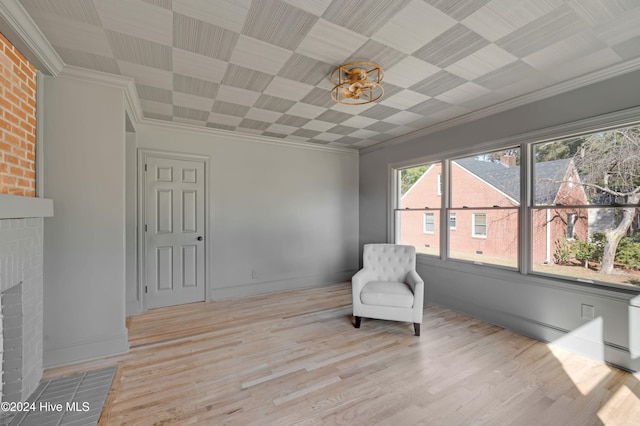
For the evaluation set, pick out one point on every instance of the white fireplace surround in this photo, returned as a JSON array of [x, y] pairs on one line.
[[21, 249]]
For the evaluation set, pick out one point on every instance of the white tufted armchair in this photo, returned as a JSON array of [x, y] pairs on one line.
[[388, 287]]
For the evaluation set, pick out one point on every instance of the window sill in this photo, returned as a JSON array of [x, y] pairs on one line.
[[15, 207]]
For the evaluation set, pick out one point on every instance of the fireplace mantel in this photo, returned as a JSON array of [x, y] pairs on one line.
[[15, 207]]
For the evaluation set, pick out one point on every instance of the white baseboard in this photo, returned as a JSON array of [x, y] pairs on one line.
[[86, 350]]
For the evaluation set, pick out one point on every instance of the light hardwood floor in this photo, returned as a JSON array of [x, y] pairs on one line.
[[295, 358]]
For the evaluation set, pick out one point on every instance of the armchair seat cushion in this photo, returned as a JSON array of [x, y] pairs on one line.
[[387, 293]]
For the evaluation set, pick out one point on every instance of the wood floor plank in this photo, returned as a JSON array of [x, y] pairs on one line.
[[295, 358]]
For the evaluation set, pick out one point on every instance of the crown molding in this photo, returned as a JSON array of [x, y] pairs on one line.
[[557, 89], [40, 50], [127, 84], [243, 137]]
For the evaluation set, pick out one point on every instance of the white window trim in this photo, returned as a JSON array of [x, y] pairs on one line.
[[473, 226], [424, 223], [439, 184]]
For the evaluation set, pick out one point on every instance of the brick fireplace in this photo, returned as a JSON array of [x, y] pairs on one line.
[[21, 295]]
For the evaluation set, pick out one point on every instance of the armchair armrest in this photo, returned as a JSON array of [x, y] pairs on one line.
[[417, 286], [362, 277]]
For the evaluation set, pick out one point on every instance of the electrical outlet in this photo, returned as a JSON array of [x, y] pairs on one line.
[[588, 312]]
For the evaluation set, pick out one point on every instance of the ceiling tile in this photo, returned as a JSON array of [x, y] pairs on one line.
[[380, 112], [334, 116], [451, 46], [281, 128], [429, 107], [274, 103], [404, 100], [189, 121], [414, 26], [292, 120], [152, 107], [363, 16], [287, 89], [88, 60], [438, 83], [254, 124], [402, 117], [409, 71], [622, 29], [342, 130], [315, 7], [305, 133], [319, 98], [190, 113], [221, 126], [380, 127], [363, 134], [73, 10], [379, 54], [305, 110], [328, 137], [320, 126], [137, 19], [485, 60], [628, 49], [63, 32], [585, 64], [228, 120], [246, 78], [463, 93], [598, 12], [458, 9], [229, 14], [570, 48], [330, 43], [160, 3], [146, 75], [194, 86], [237, 95], [515, 73], [263, 115], [501, 17], [155, 94], [203, 38], [193, 102], [199, 66], [544, 31], [359, 122], [278, 23], [229, 108], [305, 70], [140, 51], [259, 55]]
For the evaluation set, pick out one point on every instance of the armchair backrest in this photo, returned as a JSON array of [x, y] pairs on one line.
[[389, 262]]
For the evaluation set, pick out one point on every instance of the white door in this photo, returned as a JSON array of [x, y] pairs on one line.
[[174, 231]]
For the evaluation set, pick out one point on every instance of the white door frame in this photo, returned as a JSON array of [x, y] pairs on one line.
[[143, 155]]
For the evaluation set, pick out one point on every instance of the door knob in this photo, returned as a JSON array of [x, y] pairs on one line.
[[199, 238]]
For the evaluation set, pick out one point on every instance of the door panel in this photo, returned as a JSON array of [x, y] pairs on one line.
[[175, 258]]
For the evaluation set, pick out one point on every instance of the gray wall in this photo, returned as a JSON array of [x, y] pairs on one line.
[[84, 244], [280, 216], [549, 310], [132, 296]]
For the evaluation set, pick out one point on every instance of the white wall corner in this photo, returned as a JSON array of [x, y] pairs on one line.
[[40, 51]]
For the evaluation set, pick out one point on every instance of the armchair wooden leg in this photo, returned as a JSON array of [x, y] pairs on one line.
[[416, 327], [357, 324]]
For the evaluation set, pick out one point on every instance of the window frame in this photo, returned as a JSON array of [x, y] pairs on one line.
[[526, 142], [474, 225], [454, 216], [433, 223]]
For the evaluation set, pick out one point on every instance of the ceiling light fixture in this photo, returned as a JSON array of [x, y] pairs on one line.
[[357, 83]]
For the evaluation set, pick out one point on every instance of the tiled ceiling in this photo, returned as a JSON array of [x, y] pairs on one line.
[[261, 66]]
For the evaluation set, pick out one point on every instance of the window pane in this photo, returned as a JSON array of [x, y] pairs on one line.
[[488, 237], [420, 186], [410, 228], [596, 169], [429, 223], [583, 257], [486, 180]]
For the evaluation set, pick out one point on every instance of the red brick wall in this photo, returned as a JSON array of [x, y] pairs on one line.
[[17, 122]]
